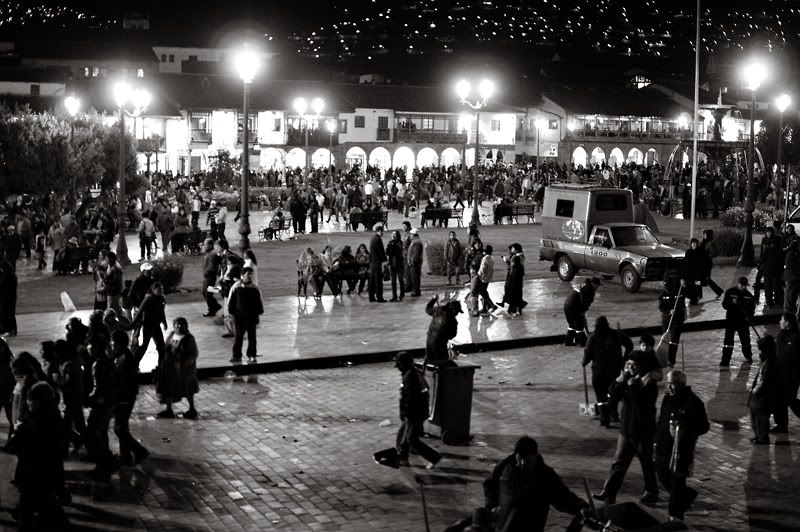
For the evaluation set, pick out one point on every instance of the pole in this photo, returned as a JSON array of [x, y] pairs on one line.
[[306, 150], [695, 121], [747, 257], [476, 217], [330, 151], [780, 160], [122, 214], [244, 203]]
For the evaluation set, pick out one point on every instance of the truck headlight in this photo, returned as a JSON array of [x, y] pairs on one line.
[[643, 262]]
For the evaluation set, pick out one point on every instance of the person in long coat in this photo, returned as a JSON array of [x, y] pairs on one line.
[[766, 390], [514, 277], [604, 351], [180, 378], [788, 357], [442, 329], [8, 300], [695, 267]]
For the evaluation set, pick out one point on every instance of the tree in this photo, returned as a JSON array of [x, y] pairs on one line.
[[767, 142], [225, 171]]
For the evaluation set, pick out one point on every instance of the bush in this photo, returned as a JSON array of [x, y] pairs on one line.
[[434, 257], [762, 218], [168, 272], [726, 243]]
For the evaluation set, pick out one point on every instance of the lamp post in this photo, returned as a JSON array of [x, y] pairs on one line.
[[73, 105], [754, 74], [540, 124], [782, 102], [485, 91], [301, 106], [246, 62], [331, 126], [139, 99]]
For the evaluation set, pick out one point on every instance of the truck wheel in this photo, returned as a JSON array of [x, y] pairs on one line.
[[630, 279], [566, 270]]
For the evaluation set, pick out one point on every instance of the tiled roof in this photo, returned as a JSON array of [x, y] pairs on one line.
[[614, 101], [74, 50]]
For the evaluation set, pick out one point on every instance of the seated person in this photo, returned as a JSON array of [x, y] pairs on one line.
[[275, 224]]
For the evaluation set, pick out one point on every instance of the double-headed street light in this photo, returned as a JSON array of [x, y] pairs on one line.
[[754, 74], [301, 106], [540, 124], [138, 99], [485, 91], [246, 62], [782, 102]]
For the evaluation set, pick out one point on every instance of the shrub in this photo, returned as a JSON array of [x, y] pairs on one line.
[[434, 258], [726, 243], [762, 218], [168, 272]]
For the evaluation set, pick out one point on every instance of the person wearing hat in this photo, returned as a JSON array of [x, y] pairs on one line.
[[377, 257], [522, 488], [575, 307], [740, 305], [415, 264], [414, 410], [765, 390], [141, 286]]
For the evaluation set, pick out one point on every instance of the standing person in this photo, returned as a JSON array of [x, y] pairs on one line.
[[222, 220], [708, 237], [250, 261], [180, 369], [99, 274], [604, 351], [40, 247], [515, 275], [25, 235], [245, 306], [414, 405], [442, 329], [452, 257], [575, 307], [695, 266], [147, 233], [394, 254], [165, 224], [313, 212], [230, 269], [13, 247], [8, 300], [131, 452], [791, 270], [113, 283], [672, 305], [770, 267], [101, 401], [406, 243], [485, 275], [196, 204], [211, 264], [151, 317], [70, 384], [765, 391], [377, 256], [682, 421], [415, 250], [58, 240], [522, 488], [788, 358], [638, 392], [7, 384], [211, 221], [740, 306]]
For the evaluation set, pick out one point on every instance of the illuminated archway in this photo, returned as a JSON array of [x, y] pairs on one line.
[[322, 158], [296, 158], [271, 158], [404, 157], [579, 157], [450, 157], [598, 156], [469, 157], [355, 156], [652, 157], [617, 158], [635, 156], [427, 157], [381, 158]]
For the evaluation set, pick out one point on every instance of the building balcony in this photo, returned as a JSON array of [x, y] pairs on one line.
[[625, 134], [201, 136], [429, 136], [383, 134], [316, 137], [251, 139], [151, 145]]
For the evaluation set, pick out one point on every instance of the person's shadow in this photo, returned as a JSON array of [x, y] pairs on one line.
[[770, 489], [729, 403]]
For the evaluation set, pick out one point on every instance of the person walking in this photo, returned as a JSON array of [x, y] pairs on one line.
[[682, 421], [637, 387], [765, 390], [575, 306], [791, 270], [672, 305], [151, 317], [112, 279], [515, 275], [101, 400], [414, 410], [211, 221], [407, 236], [377, 256], [165, 224], [394, 254], [452, 258], [708, 237], [147, 233], [245, 306], [770, 267], [604, 351], [485, 275], [522, 488], [740, 306], [788, 358], [694, 268], [8, 300], [415, 250], [131, 452], [211, 265]]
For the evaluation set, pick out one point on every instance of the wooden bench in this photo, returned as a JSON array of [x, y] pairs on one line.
[[442, 215], [523, 209], [457, 214], [275, 229], [368, 219]]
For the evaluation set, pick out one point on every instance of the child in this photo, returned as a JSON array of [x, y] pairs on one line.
[[39, 246]]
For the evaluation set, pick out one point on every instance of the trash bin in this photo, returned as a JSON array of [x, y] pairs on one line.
[[451, 399]]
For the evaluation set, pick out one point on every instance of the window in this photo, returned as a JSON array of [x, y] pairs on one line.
[[427, 123], [495, 125], [565, 208], [342, 126], [35, 89], [383, 122], [276, 124], [200, 121], [552, 124], [139, 72], [359, 121], [611, 202], [95, 71], [171, 58], [600, 237], [192, 58], [104, 72], [163, 58]]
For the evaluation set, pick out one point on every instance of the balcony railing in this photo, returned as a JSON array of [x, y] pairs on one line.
[[316, 137], [201, 136], [429, 135], [384, 134], [151, 145], [621, 133], [251, 139]]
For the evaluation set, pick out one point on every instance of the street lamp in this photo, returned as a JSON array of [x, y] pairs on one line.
[[754, 74], [138, 99], [301, 106], [540, 124], [331, 127], [246, 62], [782, 102], [485, 91]]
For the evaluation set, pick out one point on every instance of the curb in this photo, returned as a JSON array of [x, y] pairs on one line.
[[386, 356]]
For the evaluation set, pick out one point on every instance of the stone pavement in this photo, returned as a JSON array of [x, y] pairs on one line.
[[295, 329], [292, 451]]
